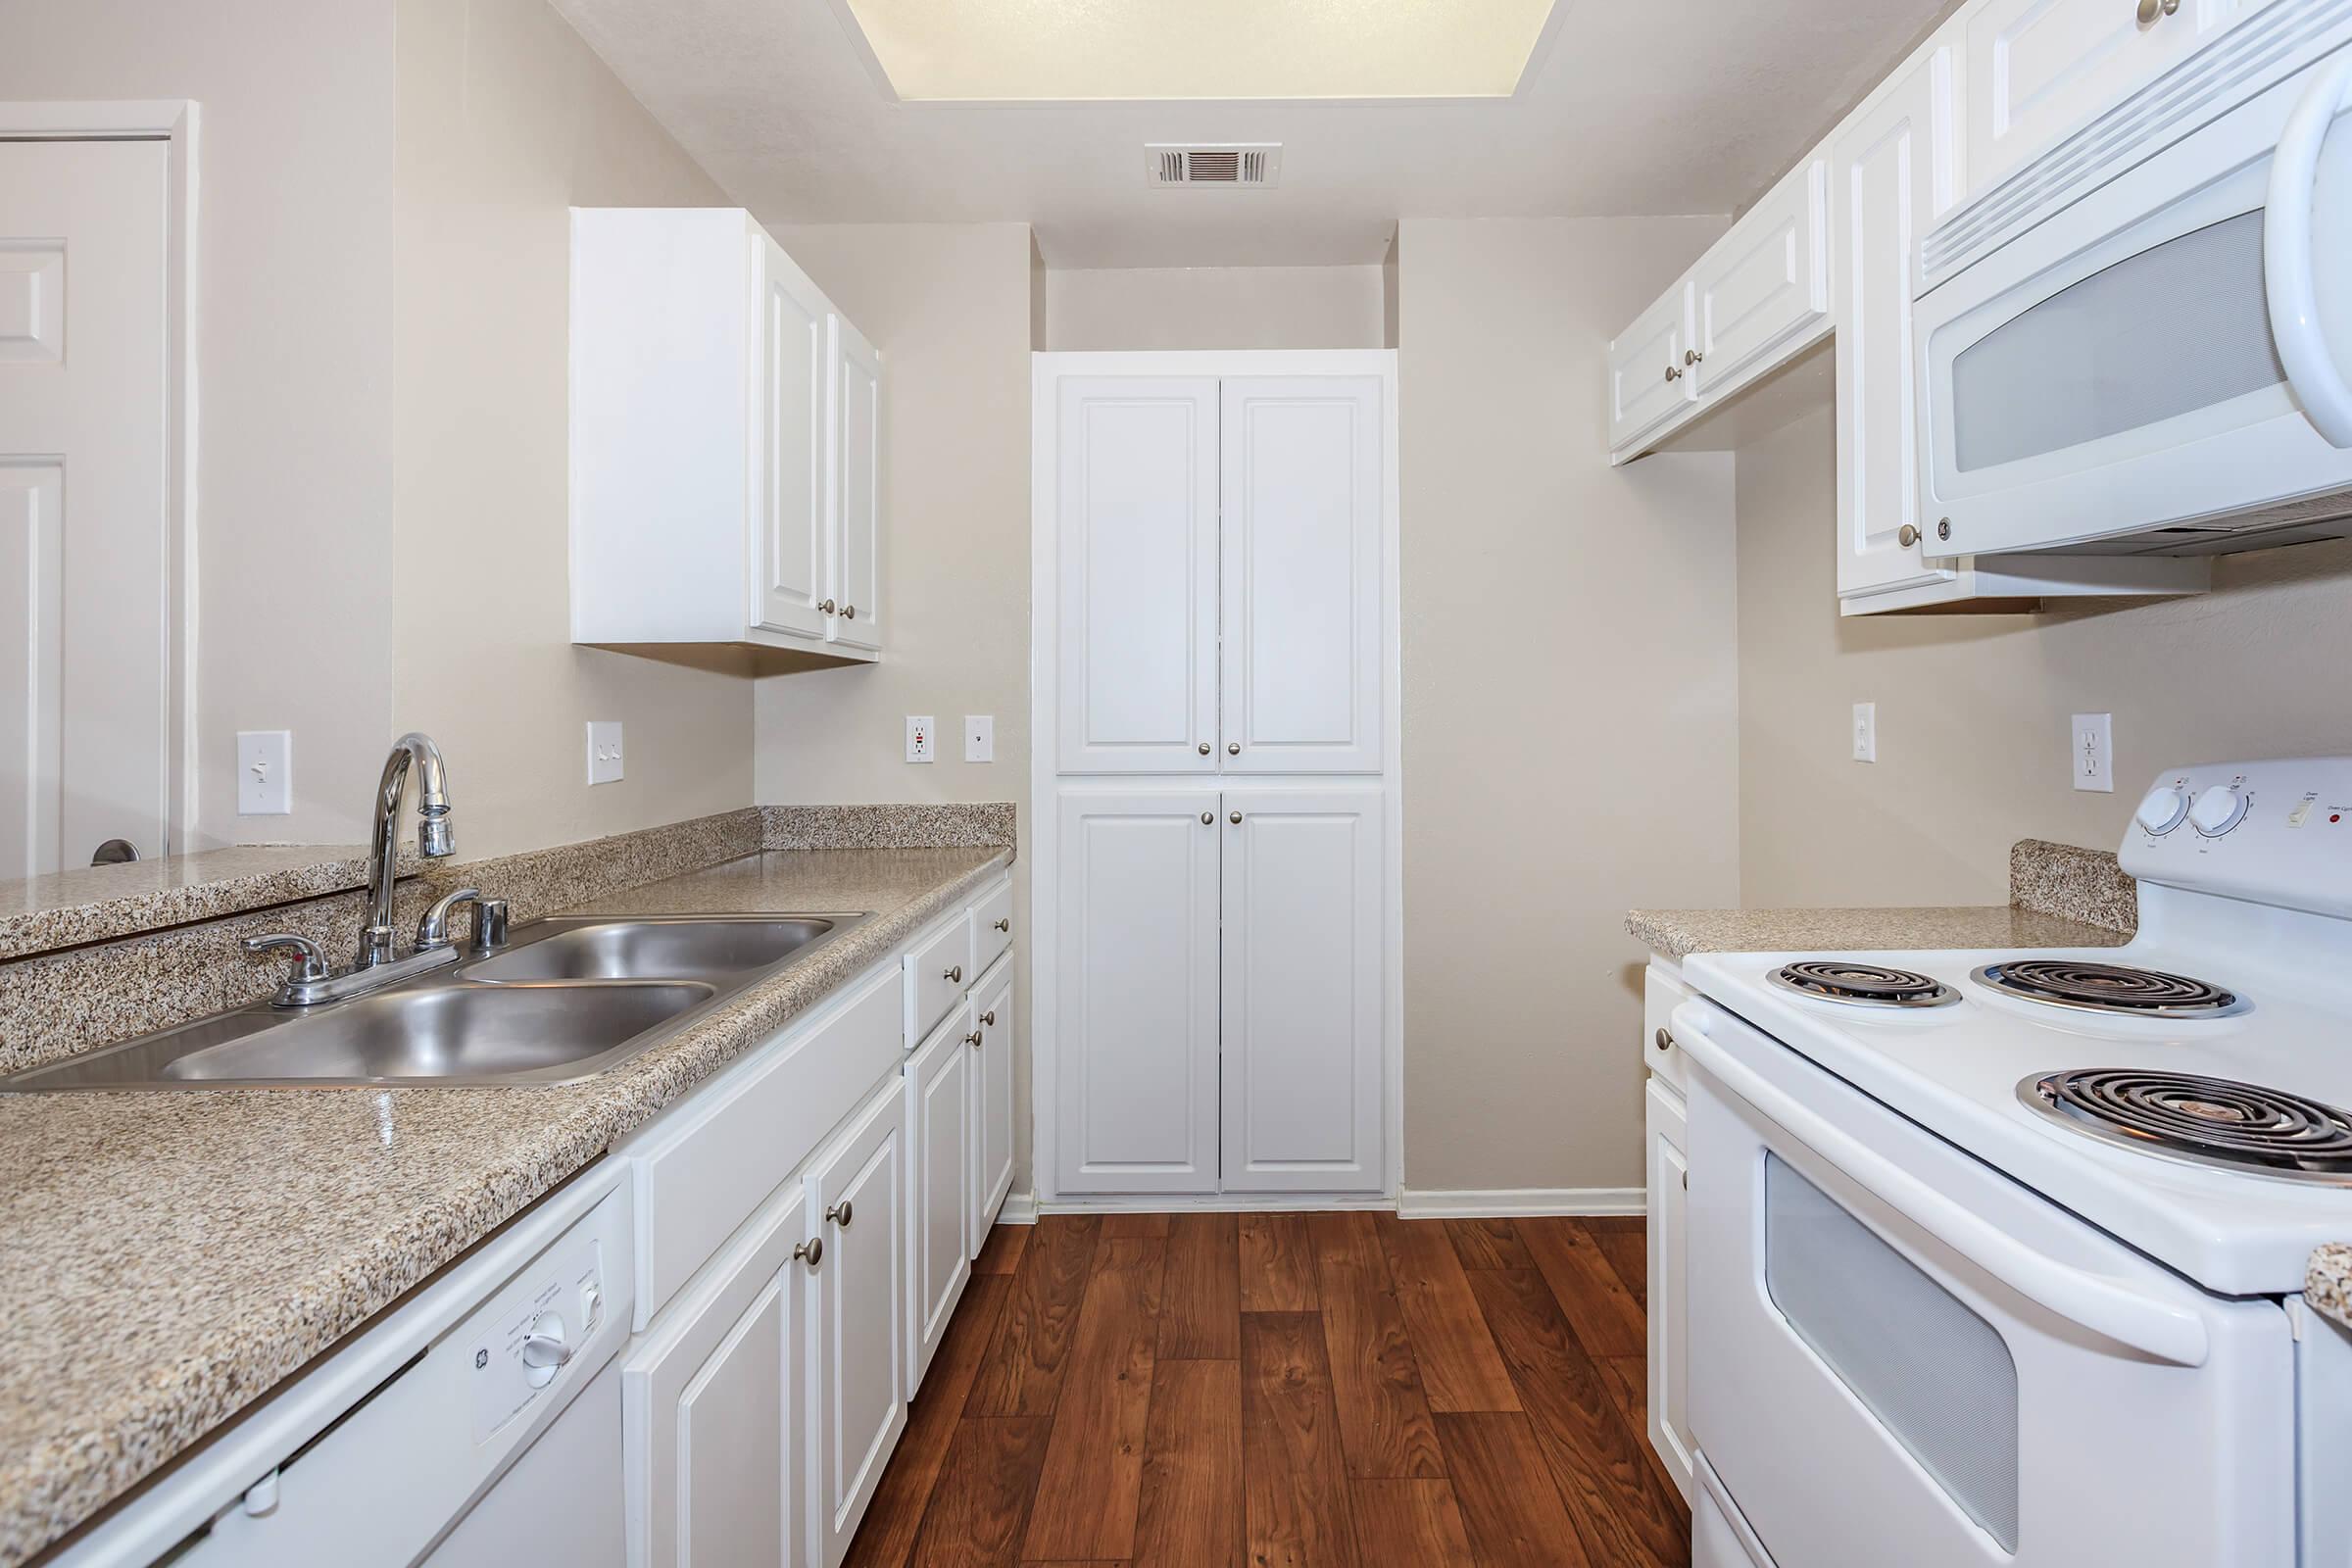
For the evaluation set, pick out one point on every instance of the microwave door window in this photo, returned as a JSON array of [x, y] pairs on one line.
[[2166, 331]]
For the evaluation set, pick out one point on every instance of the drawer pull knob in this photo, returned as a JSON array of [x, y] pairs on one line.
[[974, 1040], [1005, 925], [1233, 748], [839, 1213], [1205, 748], [1665, 1041], [811, 1250], [954, 973], [989, 1018]]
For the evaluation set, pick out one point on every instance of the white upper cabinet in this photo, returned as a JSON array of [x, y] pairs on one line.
[[1650, 384], [1302, 469], [1138, 572], [1764, 287], [726, 441]]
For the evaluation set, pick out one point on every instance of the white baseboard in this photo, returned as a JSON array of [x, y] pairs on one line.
[[1497, 1203], [1019, 1208], [1211, 1203]]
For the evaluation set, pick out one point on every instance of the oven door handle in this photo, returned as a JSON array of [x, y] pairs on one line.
[[2115, 1311], [2288, 262]]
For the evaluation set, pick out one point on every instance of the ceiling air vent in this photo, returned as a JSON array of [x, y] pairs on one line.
[[1213, 165]]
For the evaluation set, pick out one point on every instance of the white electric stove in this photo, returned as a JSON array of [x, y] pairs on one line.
[[1995, 1256]]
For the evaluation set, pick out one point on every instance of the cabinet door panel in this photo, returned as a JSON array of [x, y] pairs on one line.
[[939, 1123], [1138, 576], [1301, 466], [856, 524], [1669, 1300], [788, 432], [1763, 287], [857, 1380], [1648, 384], [1135, 1046], [1303, 1086], [2037, 69], [992, 1105], [1889, 164]]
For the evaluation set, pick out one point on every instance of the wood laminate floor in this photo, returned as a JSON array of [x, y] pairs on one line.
[[1287, 1390]]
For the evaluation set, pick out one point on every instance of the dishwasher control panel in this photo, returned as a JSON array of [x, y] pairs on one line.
[[527, 1339]]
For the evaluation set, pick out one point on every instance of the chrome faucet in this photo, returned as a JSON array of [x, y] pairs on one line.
[[433, 837]]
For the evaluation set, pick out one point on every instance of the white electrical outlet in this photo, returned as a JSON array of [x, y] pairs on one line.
[[1865, 732], [2094, 752], [604, 751], [922, 738], [979, 737], [265, 772]]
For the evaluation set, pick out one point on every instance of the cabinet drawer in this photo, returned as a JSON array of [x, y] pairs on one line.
[[704, 1171], [937, 969], [991, 927], [1662, 994]]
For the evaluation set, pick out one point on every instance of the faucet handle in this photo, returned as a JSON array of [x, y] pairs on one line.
[[310, 959], [489, 925], [432, 931]]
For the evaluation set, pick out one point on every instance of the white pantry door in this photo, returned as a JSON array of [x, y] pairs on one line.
[[84, 657], [1137, 561], [1303, 472], [1302, 992]]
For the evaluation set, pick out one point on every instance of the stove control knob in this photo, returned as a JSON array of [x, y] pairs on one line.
[[2216, 810], [2163, 809]]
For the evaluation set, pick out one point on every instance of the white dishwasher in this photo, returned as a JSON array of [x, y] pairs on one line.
[[476, 1423]]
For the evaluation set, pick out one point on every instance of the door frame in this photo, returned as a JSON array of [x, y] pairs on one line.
[[1042, 850], [172, 121]]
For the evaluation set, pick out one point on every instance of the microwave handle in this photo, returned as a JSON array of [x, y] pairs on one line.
[[2114, 1312], [2287, 261]]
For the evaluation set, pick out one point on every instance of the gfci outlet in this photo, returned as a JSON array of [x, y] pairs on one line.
[[604, 751], [1865, 732], [2094, 752], [922, 738]]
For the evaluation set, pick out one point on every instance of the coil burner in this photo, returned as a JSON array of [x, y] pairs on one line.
[[1862, 985], [2207, 1121], [2110, 988]]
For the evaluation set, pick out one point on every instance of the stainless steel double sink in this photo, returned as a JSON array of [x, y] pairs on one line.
[[568, 999]]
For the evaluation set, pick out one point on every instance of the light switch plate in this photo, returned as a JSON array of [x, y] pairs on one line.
[[979, 737], [265, 772], [1865, 732], [2094, 752], [922, 738], [604, 751]]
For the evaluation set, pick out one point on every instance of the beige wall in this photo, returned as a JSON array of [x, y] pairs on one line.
[[1972, 710], [506, 122], [1214, 308], [949, 306], [1569, 697]]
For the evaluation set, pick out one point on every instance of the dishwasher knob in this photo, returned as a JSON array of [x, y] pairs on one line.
[[2216, 810], [545, 1351], [2163, 809]]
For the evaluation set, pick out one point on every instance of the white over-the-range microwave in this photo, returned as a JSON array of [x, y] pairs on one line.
[[2140, 343]]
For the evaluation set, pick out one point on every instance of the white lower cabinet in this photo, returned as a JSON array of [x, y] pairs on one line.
[[858, 1385], [992, 1102], [1669, 1303], [938, 1171]]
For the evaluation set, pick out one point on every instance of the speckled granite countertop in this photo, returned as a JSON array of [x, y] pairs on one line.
[[167, 1257], [1679, 933], [2328, 1281]]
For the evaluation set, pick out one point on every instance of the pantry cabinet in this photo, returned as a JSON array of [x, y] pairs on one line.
[[726, 433]]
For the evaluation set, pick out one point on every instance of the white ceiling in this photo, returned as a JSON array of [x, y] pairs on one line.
[[1629, 107]]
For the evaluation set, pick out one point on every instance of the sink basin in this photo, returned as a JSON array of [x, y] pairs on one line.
[[451, 1035], [680, 949]]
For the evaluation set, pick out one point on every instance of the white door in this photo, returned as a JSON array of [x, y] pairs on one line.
[[856, 487], [1136, 1015], [714, 1426], [2038, 68], [84, 574], [1764, 284], [1137, 563], [857, 1207], [1669, 1304], [938, 1133], [1302, 992], [1302, 466], [1893, 168], [992, 1105], [788, 423], [1648, 384]]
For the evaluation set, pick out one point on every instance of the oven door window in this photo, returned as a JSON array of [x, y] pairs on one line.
[[1937, 1375], [2165, 331]]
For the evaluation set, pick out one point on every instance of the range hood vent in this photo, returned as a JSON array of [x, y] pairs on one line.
[[1225, 165]]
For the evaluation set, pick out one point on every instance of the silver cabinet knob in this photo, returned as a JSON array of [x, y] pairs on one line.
[[839, 1213], [974, 1040], [1205, 748], [988, 1017], [1005, 925], [849, 611], [1665, 1040], [1234, 819], [1233, 748], [2151, 11], [824, 607], [953, 973], [1209, 818], [1906, 536], [811, 1251], [1692, 356], [1673, 374]]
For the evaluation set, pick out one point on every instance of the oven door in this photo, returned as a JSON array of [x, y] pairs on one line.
[[2122, 367], [1898, 1354]]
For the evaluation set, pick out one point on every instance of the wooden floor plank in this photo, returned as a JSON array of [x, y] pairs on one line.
[[1088, 1491], [1628, 1381], [1022, 1372], [1298, 1507], [1608, 1319], [887, 1535], [1624, 1510], [981, 1506], [1002, 1252], [1459, 1365], [1408, 1524], [1191, 1512], [1511, 1509], [1134, 1227], [1487, 1243], [1278, 1269], [1624, 1243], [1385, 1427], [1200, 1303]]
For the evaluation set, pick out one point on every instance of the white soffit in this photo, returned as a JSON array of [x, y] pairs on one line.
[[1075, 50]]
